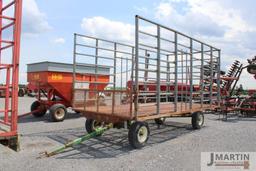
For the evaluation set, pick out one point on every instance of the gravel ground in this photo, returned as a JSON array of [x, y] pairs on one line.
[[174, 146]]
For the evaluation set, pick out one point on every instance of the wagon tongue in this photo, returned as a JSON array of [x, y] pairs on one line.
[[74, 142]]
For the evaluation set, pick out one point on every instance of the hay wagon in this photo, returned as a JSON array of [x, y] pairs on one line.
[[165, 65]]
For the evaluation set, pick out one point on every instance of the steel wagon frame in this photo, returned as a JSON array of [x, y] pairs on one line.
[[179, 75]]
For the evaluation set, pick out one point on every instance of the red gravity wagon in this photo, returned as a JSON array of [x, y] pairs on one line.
[[53, 83]]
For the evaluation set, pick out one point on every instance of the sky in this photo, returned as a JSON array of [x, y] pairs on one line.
[[48, 26]]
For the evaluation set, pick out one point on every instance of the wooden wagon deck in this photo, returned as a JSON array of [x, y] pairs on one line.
[[145, 112]]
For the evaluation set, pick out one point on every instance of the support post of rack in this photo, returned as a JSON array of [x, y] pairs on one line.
[[136, 107], [158, 71], [218, 78], [191, 74], [212, 75], [202, 75], [176, 71]]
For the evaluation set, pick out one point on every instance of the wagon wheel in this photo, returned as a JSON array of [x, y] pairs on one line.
[[248, 113], [138, 134], [77, 112], [197, 120], [36, 105], [244, 114], [91, 125], [251, 69], [21, 92], [58, 112], [160, 121]]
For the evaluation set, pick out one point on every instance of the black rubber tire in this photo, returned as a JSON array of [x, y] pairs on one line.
[[251, 68], [197, 120], [21, 92], [90, 125], [58, 109], [77, 112], [134, 133], [34, 106], [160, 121]]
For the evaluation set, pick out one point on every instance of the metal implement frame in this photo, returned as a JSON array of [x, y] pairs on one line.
[[167, 74], [8, 125]]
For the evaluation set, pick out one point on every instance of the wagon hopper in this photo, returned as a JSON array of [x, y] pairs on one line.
[[54, 83]]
